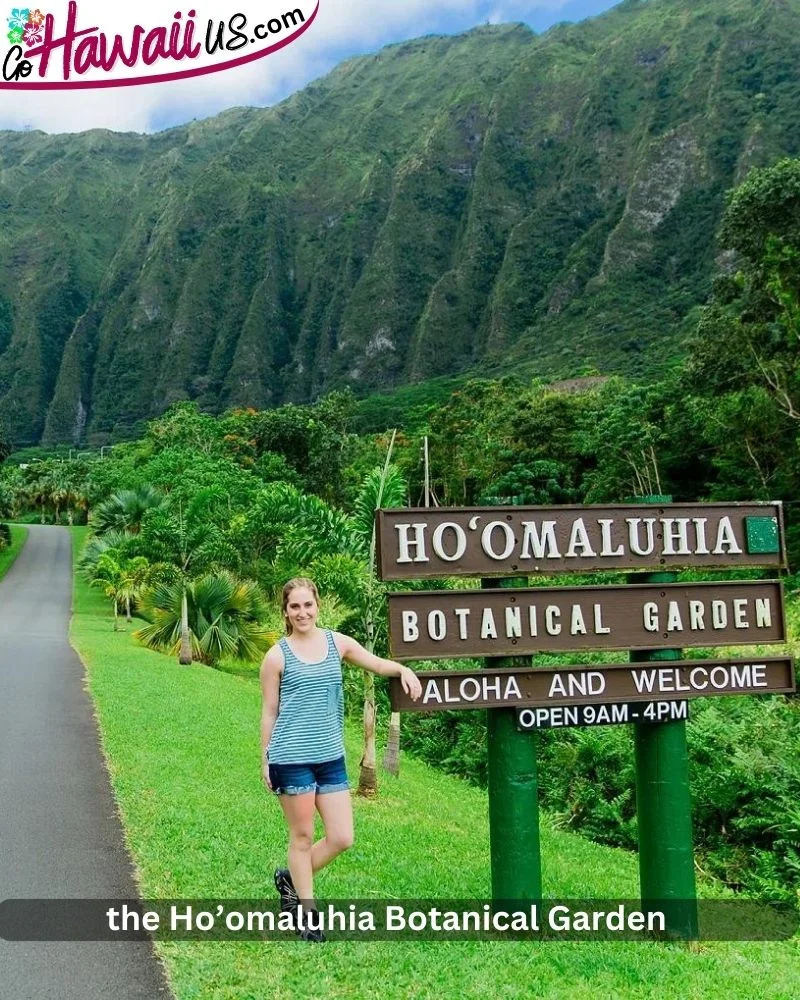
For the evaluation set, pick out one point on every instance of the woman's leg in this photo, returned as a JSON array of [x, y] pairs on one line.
[[336, 811], [299, 813]]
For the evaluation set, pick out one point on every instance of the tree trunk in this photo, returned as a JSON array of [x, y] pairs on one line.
[[128, 617], [42, 513], [185, 655], [368, 775], [116, 616], [391, 759], [70, 516]]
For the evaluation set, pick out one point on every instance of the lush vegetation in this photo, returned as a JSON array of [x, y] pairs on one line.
[[493, 199], [182, 747], [12, 538], [200, 521]]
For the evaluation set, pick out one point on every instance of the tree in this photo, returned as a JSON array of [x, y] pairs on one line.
[[188, 538], [185, 426], [38, 487], [136, 574], [123, 511], [69, 489], [747, 439], [122, 580], [312, 439], [540, 482], [221, 616], [386, 489], [114, 543], [627, 439], [12, 491], [108, 577], [468, 436], [750, 333]]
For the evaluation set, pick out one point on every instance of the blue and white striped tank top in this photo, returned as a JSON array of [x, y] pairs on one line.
[[310, 724]]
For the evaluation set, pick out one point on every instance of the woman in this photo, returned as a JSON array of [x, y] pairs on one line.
[[302, 745]]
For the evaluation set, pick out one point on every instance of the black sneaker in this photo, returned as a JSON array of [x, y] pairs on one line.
[[309, 933], [286, 890]]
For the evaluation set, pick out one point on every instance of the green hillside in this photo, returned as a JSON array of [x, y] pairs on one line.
[[494, 199]]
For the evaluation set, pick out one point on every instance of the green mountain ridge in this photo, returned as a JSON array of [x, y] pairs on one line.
[[496, 199]]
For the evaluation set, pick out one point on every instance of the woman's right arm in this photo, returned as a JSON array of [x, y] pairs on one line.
[[271, 670]]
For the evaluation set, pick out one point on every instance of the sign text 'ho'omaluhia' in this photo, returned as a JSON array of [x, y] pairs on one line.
[[606, 683], [447, 623], [503, 541]]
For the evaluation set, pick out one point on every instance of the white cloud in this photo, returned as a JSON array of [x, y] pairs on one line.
[[342, 27]]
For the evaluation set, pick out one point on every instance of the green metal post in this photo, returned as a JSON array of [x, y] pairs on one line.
[[663, 803], [513, 792]]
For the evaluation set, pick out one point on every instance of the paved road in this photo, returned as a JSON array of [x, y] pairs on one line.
[[60, 837]]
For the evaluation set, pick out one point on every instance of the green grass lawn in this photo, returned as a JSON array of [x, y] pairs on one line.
[[182, 745], [19, 533]]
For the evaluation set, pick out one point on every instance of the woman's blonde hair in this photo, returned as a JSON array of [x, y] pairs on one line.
[[295, 584]]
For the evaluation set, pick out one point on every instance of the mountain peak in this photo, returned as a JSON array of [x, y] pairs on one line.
[[494, 199]]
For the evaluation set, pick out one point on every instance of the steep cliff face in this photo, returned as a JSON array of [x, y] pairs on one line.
[[493, 198]]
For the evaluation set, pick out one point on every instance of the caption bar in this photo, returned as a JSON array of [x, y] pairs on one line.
[[391, 920]]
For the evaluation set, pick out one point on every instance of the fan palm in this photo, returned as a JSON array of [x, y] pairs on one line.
[[112, 542], [124, 511], [224, 616], [188, 540]]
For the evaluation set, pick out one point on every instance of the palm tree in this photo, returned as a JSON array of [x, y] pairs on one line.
[[114, 543], [108, 576], [136, 574], [223, 616], [123, 511], [123, 580], [385, 490], [186, 539], [38, 489]]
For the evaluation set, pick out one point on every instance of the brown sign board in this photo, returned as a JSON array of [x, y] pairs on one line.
[[616, 714], [443, 624], [425, 542], [606, 683]]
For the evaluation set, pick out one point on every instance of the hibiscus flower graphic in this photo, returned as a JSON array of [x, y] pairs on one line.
[[19, 18], [36, 17], [33, 34], [15, 36]]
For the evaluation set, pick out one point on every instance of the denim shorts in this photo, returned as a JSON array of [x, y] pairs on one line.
[[296, 779]]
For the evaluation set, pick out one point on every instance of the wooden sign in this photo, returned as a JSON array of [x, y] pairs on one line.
[[450, 623], [508, 541], [568, 716], [607, 684]]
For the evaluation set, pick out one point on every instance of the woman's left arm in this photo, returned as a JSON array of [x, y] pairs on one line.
[[355, 653]]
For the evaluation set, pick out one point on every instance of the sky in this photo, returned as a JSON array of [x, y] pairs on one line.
[[342, 28]]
